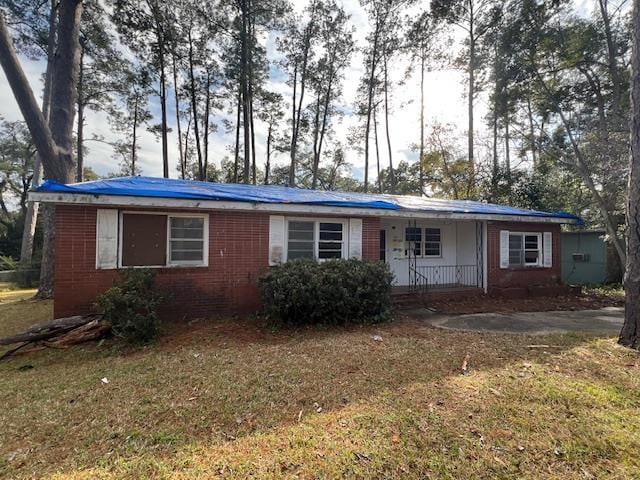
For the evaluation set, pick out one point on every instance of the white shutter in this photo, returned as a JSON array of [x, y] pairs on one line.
[[547, 253], [504, 249], [107, 238], [276, 239], [355, 238]]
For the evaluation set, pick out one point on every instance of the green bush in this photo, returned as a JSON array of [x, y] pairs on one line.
[[130, 306], [334, 292]]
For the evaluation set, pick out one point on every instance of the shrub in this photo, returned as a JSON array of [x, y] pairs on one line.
[[130, 306], [334, 292]]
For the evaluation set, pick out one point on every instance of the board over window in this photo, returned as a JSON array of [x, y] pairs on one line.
[[155, 240]]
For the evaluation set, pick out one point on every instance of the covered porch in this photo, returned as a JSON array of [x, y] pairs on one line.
[[434, 254]]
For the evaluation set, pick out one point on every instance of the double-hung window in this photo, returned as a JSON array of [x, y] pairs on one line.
[[425, 242], [321, 240], [525, 249], [186, 240], [161, 240]]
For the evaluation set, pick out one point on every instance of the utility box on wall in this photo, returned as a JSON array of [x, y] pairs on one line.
[[585, 259]]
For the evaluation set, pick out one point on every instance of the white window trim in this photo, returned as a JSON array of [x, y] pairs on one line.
[[169, 215], [540, 250], [423, 242], [316, 235]]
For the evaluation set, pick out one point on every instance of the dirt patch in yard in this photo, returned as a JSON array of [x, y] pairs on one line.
[[589, 300]]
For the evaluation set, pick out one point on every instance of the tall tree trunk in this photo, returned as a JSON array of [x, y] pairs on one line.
[[532, 135], [472, 74], [251, 80], [194, 106], [370, 95], [421, 154], [630, 333], [375, 135], [80, 119], [612, 61], [584, 172], [316, 133], [176, 97], [325, 116], [236, 163], [267, 166], [134, 137], [54, 142], [205, 126], [298, 114], [244, 81], [31, 217], [392, 175], [163, 108], [292, 164], [507, 148], [494, 160]]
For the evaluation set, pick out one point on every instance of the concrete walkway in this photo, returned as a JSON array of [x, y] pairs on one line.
[[606, 321]]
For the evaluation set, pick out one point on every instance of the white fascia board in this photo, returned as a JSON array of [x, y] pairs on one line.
[[291, 208]]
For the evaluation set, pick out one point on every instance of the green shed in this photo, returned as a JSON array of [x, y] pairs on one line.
[[584, 257]]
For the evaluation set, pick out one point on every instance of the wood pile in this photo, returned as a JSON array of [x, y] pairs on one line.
[[58, 333]]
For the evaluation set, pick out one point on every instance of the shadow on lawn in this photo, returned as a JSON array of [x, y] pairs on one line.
[[230, 396]]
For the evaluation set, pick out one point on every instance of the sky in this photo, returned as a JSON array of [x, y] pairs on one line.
[[445, 103]]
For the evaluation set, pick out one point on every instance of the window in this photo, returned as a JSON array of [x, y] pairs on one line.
[[524, 249], [186, 240], [315, 239], [301, 240], [431, 242], [413, 237], [429, 247], [160, 240], [330, 241]]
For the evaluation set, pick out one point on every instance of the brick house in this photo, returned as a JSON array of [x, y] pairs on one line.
[[211, 242]]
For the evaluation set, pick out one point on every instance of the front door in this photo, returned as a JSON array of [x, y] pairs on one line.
[[383, 246]]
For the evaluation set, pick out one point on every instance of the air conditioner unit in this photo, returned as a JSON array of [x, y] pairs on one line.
[[580, 257]]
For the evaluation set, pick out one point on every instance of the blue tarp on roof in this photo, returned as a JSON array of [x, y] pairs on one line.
[[194, 190]]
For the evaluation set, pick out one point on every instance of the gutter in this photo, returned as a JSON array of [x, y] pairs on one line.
[[279, 208]]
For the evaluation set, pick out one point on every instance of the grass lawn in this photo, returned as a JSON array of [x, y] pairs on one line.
[[231, 399]]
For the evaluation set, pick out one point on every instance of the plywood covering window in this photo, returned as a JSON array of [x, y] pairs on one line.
[[160, 240], [144, 240]]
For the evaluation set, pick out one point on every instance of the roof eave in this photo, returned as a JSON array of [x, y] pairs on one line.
[[291, 208]]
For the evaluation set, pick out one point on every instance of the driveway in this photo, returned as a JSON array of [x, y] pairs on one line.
[[606, 321]]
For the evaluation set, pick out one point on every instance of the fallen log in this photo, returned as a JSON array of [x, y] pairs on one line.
[[50, 329], [58, 333]]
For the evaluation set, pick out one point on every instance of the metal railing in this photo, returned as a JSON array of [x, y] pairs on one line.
[[428, 277]]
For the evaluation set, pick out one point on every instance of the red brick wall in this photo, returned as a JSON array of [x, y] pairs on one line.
[[238, 254], [520, 277]]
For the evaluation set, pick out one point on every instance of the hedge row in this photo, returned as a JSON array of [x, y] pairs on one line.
[[334, 292]]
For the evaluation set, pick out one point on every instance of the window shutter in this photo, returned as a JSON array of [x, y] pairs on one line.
[[504, 249], [276, 239], [547, 254], [107, 238], [355, 238]]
